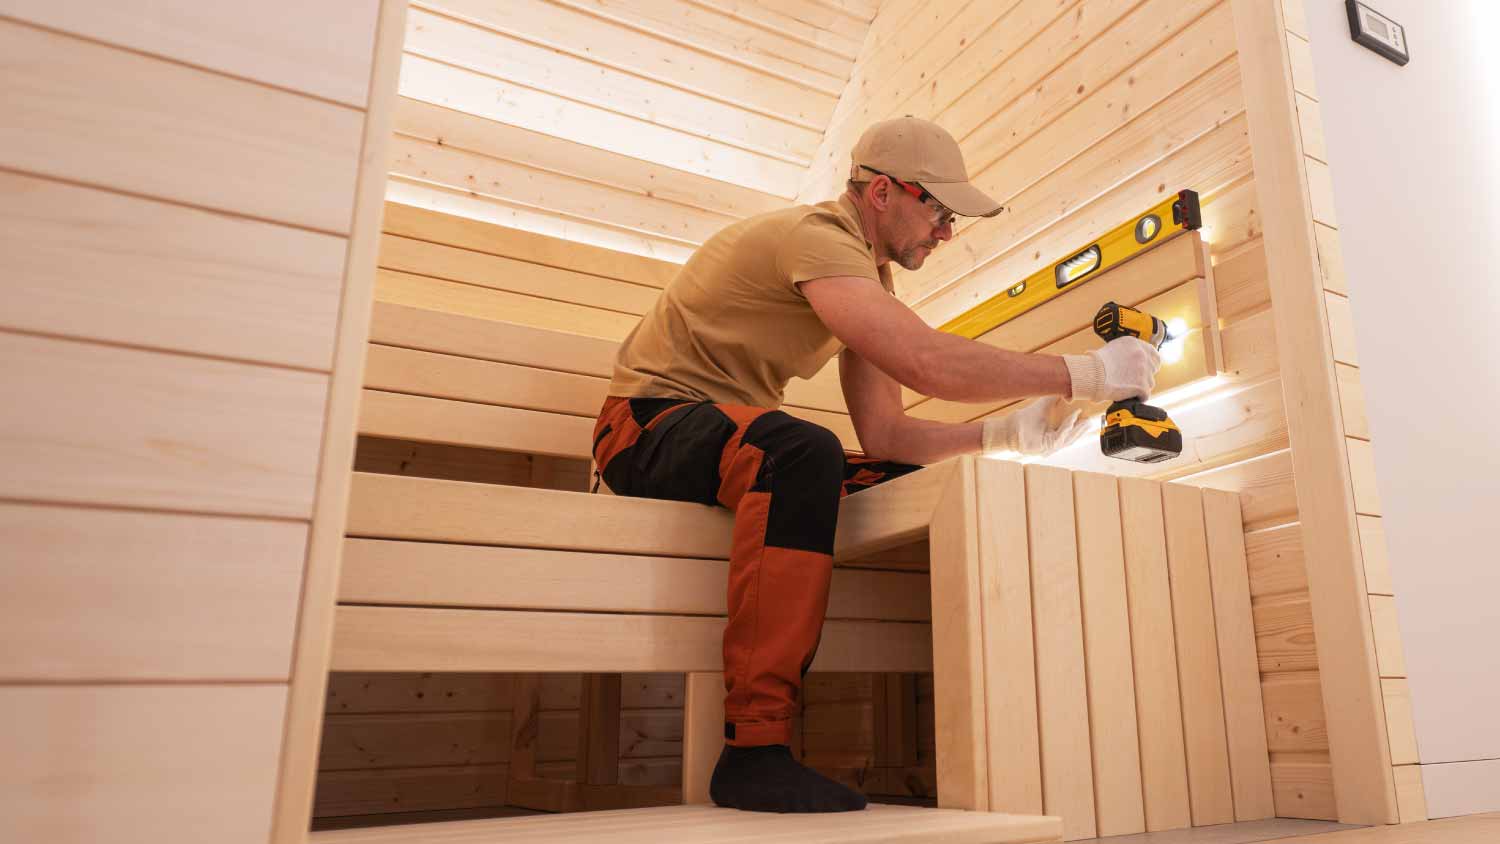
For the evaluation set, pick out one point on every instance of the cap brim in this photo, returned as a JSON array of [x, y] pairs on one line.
[[963, 198]]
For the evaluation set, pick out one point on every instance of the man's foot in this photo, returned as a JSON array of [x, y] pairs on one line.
[[768, 779]]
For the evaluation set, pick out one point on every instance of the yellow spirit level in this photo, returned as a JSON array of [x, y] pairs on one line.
[[1120, 244]]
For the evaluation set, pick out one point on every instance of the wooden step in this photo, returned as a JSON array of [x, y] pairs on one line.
[[702, 824]]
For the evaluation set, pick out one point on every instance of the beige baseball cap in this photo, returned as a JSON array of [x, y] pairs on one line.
[[920, 151]]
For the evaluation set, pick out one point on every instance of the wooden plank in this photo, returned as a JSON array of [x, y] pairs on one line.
[[610, 44], [1330, 259], [1362, 477], [502, 342], [1164, 778], [1320, 192], [1352, 402], [891, 514], [1411, 799], [180, 433], [1310, 122], [234, 40], [541, 111], [1274, 65], [1341, 329], [464, 233], [957, 627], [353, 693], [1391, 657], [702, 732], [414, 639], [465, 379], [310, 661], [411, 740], [799, 20], [199, 282], [582, 80], [417, 119], [1284, 636], [599, 730], [423, 419], [346, 793], [1013, 751], [474, 576], [1268, 496], [1244, 717], [1110, 672], [525, 726], [513, 275], [192, 137], [710, 824], [1240, 281], [1398, 721], [515, 182], [1275, 561], [1377, 559], [501, 306], [447, 462], [102, 595], [1304, 789], [1295, 721], [1197, 656], [1062, 693], [85, 762]]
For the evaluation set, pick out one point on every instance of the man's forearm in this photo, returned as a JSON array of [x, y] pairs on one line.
[[924, 441], [959, 369]]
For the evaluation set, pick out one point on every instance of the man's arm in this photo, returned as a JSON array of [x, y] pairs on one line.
[[889, 335], [885, 431]]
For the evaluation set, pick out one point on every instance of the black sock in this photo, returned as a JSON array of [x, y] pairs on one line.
[[768, 779]]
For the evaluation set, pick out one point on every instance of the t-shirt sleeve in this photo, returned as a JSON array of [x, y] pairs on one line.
[[819, 248]]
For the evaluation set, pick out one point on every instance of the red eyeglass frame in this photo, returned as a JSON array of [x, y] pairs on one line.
[[921, 194]]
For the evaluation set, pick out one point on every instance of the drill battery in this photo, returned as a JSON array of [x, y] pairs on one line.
[[1134, 430]]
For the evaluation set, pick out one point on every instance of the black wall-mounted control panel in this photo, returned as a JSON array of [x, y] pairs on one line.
[[1378, 32]]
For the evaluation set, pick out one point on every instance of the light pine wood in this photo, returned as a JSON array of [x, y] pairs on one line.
[[1304, 787], [197, 138], [354, 793], [1398, 721], [1330, 259], [1362, 477], [1274, 559], [1062, 693], [1295, 722], [1310, 123], [1009, 679], [1244, 715], [1377, 559], [434, 574], [1164, 777], [702, 732], [1352, 402], [1284, 638], [451, 377], [412, 639], [234, 40], [958, 652], [503, 342], [1197, 656], [181, 433], [201, 283], [1411, 798], [104, 595], [409, 740], [1341, 329], [501, 305], [709, 824], [1115, 742], [85, 763], [312, 657], [1274, 64], [1389, 653], [424, 419]]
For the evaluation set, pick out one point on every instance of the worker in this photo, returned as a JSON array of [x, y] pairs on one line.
[[692, 414]]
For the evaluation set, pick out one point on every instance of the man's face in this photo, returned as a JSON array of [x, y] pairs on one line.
[[918, 228]]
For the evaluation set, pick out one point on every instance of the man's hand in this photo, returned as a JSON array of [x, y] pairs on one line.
[[1124, 368], [1041, 427]]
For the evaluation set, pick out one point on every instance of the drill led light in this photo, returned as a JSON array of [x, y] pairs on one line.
[[1078, 266], [1171, 351]]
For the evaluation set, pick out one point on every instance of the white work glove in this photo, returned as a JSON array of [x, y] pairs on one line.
[[1124, 368], [1041, 427]]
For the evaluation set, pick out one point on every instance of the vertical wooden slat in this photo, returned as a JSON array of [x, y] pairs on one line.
[[957, 652], [1244, 716], [702, 732], [1154, 650], [599, 730], [1197, 656], [1111, 680], [1014, 752], [1062, 697], [525, 724]]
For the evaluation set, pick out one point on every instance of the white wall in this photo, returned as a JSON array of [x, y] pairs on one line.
[[1415, 155]]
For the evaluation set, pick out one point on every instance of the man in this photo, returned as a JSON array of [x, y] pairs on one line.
[[692, 414]]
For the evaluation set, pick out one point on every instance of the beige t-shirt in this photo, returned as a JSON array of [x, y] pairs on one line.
[[733, 327]]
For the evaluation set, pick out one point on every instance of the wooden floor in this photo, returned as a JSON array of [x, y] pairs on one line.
[[701, 824], [1475, 829]]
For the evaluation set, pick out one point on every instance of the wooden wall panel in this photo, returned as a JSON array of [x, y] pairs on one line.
[[105, 595], [198, 282], [139, 763], [194, 137]]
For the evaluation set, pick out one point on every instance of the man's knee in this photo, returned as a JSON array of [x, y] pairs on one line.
[[803, 470]]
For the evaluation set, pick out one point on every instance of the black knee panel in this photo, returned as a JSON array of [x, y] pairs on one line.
[[803, 469]]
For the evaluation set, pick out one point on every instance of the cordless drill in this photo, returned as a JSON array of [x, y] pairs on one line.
[[1134, 430]]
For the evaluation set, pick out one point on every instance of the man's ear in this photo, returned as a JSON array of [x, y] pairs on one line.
[[879, 193]]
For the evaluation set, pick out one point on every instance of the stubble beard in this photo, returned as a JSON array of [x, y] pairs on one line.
[[911, 258]]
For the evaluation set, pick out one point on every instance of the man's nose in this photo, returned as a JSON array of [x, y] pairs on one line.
[[944, 232]]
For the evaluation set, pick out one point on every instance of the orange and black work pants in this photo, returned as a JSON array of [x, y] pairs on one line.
[[783, 478]]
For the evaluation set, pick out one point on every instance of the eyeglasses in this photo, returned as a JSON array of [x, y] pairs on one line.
[[944, 216]]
